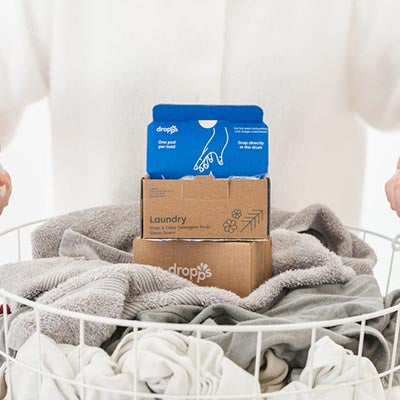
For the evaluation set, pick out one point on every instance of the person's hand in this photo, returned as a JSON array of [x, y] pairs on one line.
[[5, 188], [392, 188]]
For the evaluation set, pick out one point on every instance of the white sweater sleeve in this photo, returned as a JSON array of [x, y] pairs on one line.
[[375, 62], [25, 31]]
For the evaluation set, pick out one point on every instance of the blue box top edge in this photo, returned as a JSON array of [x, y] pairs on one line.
[[191, 112]]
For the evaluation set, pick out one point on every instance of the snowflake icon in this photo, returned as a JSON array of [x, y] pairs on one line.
[[230, 225], [236, 213]]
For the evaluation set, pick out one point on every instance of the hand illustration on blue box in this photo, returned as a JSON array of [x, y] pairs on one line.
[[179, 145], [214, 148]]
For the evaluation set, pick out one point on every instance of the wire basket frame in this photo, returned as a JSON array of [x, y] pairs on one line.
[[393, 248]]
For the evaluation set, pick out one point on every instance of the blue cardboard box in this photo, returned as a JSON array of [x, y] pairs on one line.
[[218, 140]]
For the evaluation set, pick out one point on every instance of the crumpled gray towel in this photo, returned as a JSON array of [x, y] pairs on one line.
[[319, 221], [299, 260], [74, 244], [123, 290], [31, 279], [115, 226], [292, 246], [302, 256]]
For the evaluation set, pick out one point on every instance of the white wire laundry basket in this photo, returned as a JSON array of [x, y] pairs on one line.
[[15, 243]]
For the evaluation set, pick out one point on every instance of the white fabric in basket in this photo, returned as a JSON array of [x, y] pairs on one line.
[[333, 365], [166, 362]]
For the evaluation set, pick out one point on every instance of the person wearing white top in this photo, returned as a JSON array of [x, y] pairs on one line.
[[319, 69]]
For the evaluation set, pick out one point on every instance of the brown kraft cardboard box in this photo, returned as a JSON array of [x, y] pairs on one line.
[[205, 208], [236, 266]]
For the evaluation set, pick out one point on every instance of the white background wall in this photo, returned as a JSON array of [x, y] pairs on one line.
[[383, 153], [28, 161]]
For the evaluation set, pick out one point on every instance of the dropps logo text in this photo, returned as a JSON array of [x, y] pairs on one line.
[[195, 274], [167, 129]]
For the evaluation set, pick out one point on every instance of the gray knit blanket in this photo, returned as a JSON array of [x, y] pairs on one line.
[[309, 248]]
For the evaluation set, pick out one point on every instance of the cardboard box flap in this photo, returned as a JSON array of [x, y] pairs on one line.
[[205, 188], [175, 112]]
